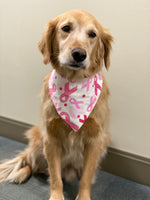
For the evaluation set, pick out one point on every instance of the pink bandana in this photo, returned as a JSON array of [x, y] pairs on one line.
[[74, 100]]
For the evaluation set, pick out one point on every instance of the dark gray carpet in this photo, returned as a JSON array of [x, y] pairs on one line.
[[107, 187]]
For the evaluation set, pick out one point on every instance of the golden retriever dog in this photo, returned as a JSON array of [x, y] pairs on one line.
[[76, 45]]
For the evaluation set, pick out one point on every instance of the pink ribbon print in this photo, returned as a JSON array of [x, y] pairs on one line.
[[97, 86], [92, 102], [87, 85], [53, 89], [58, 109], [67, 119], [74, 100], [83, 120], [65, 96]]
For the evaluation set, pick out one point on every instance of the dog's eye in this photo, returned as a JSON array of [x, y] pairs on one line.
[[66, 29], [92, 34]]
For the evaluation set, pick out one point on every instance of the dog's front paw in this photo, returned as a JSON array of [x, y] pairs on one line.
[[51, 198], [83, 197], [56, 196]]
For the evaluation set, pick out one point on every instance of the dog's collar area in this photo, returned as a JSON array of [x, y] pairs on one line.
[[74, 100]]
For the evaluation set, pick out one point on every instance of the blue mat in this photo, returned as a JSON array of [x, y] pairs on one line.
[[107, 186]]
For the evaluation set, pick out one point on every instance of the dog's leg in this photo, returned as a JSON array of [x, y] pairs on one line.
[[91, 156], [53, 151]]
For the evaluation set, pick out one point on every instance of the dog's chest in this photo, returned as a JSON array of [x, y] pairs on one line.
[[73, 151]]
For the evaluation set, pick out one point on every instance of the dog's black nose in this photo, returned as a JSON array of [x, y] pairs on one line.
[[78, 54]]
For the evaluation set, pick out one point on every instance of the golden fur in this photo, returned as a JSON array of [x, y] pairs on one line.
[[54, 147]]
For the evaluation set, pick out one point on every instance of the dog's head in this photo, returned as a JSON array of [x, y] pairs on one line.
[[76, 41]]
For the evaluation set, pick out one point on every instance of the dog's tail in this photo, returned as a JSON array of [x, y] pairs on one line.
[[16, 170], [31, 160]]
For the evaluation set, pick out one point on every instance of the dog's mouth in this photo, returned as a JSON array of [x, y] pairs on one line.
[[77, 65], [74, 65]]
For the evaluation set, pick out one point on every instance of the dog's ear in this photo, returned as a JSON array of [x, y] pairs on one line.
[[107, 39], [45, 44]]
